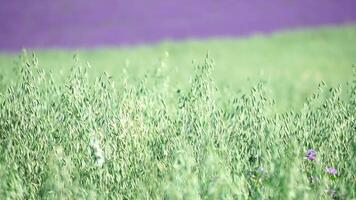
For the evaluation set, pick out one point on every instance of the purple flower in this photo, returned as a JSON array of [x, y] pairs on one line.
[[310, 154], [331, 170]]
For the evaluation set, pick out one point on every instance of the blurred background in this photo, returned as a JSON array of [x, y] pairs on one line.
[[90, 23], [291, 45]]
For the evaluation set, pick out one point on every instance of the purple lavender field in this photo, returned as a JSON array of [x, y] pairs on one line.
[[65, 23]]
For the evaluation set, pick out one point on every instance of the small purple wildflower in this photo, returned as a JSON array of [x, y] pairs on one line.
[[331, 170], [310, 154]]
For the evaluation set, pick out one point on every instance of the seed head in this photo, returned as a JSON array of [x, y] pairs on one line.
[[260, 170], [332, 193], [98, 152]]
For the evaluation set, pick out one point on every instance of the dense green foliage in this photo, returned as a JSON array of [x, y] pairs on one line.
[[147, 139], [291, 63]]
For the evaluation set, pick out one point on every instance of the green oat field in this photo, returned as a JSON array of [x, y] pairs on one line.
[[261, 117]]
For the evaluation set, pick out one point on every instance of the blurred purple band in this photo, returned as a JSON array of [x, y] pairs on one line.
[[89, 23]]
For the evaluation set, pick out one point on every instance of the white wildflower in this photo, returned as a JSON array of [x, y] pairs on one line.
[[98, 152]]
